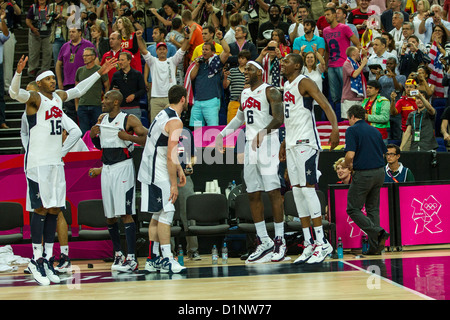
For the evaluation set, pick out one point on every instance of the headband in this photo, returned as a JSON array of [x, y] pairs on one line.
[[258, 66], [44, 75], [411, 81]]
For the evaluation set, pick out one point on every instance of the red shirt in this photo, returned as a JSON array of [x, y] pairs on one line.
[[405, 105], [128, 45], [110, 54]]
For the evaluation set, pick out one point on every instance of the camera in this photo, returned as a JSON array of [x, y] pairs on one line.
[[127, 13], [52, 17], [414, 92], [287, 10], [230, 6], [201, 60]]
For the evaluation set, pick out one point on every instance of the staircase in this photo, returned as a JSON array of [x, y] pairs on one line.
[[10, 142]]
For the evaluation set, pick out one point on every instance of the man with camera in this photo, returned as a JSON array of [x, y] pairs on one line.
[[411, 57], [38, 37], [432, 19], [207, 77], [206, 14], [377, 61]]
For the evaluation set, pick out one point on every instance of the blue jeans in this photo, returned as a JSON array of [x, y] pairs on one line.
[[335, 82], [88, 116], [205, 112]]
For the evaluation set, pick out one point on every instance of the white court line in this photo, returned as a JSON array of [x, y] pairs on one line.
[[390, 281]]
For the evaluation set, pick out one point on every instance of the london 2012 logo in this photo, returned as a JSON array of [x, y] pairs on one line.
[[426, 215]]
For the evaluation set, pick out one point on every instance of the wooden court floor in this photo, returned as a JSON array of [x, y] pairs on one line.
[[411, 274]]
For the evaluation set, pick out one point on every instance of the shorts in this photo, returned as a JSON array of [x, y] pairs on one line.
[[205, 112], [261, 166], [233, 107], [155, 197], [46, 187], [302, 165], [118, 189]]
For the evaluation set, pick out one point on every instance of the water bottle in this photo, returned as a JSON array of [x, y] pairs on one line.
[[340, 249], [214, 255], [180, 255], [233, 185], [365, 244], [224, 253]]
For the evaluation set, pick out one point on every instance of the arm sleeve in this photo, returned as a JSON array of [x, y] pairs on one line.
[[82, 87], [234, 124], [14, 90]]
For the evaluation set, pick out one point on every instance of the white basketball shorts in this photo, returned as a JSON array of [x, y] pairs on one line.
[[302, 165], [46, 187]]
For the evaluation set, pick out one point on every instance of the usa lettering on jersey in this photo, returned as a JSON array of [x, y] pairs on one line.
[[54, 112], [251, 103], [289, 97]]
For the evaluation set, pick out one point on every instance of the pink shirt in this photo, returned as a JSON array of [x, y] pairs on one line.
[[338, 40]]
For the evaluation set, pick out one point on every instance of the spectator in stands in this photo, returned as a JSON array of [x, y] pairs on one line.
[[163, 71], [308, 39], [278, 36], [106, 10], [353, 89], [208, 33], [292, 17], [377, 61], [359, 16], [388, 15], [270, 58], [236, 19], [275, 22], [420, 126], [205, 13], [296, 29], [423, 7], [422, 76], [99, 40], [377, 109], [440, 37], [240, 44], [337, 37], [92, 20], [408, 30], [115, 43], [341, 17], [130, 83], [4, 37], [126, 29], [9, 47], [344, 173], [314, 66], [397, 30], [411, 57], [89, 106], [390, 43], [235, 80], [394, 170], [171, 12], [206, 73], [39, 38], [445, 128], [70, 58], [428, 24], [405, 105], [196, 38]]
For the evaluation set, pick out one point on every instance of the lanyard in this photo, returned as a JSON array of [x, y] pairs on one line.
[[420, 124], [390, 175]]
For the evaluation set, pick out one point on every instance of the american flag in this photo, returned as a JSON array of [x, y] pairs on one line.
[[274, 70], [437, 70], [188, 84], [324, 129]]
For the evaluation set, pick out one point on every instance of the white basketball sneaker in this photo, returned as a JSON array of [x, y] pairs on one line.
[[171, 266], [320, 253], [36, 268], [263, 252], [279, 249], [50, 270], [306, 254]]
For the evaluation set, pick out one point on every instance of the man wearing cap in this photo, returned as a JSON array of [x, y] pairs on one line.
[[162, 70], [44, 168], [377, 109], [405, 105]]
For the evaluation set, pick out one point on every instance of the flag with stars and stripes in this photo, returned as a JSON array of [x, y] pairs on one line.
[[437, 70]]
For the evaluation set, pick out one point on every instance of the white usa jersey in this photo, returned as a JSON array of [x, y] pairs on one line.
[[257, 111], [153, 166], [299, 120], [44, 145]]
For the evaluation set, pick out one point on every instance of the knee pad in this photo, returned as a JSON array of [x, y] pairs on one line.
[[166, 217], [313, 202], [300, 202]]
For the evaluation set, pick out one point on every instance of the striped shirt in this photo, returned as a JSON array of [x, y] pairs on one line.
[[357, 17], [237, 82]]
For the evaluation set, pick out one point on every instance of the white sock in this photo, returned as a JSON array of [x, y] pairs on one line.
[[279, 229], [37, 251], [307, 235], [65, 250], [156, 248], [166, 252], [131, 257], [48, 249], [320, 237], [261, 231]]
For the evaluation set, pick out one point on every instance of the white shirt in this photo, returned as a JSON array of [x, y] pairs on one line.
[[381, 60]]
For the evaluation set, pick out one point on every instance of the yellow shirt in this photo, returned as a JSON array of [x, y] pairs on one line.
[[198, 50]]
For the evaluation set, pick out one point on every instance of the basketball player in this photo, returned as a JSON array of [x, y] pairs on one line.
[[44, 168], [115, 134], [262, 110], [301, 149], [158, 174]]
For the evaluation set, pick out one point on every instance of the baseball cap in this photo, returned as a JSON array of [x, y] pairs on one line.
[[161, 44]]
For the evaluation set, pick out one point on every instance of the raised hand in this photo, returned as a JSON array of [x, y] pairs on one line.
[[21, 64]]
